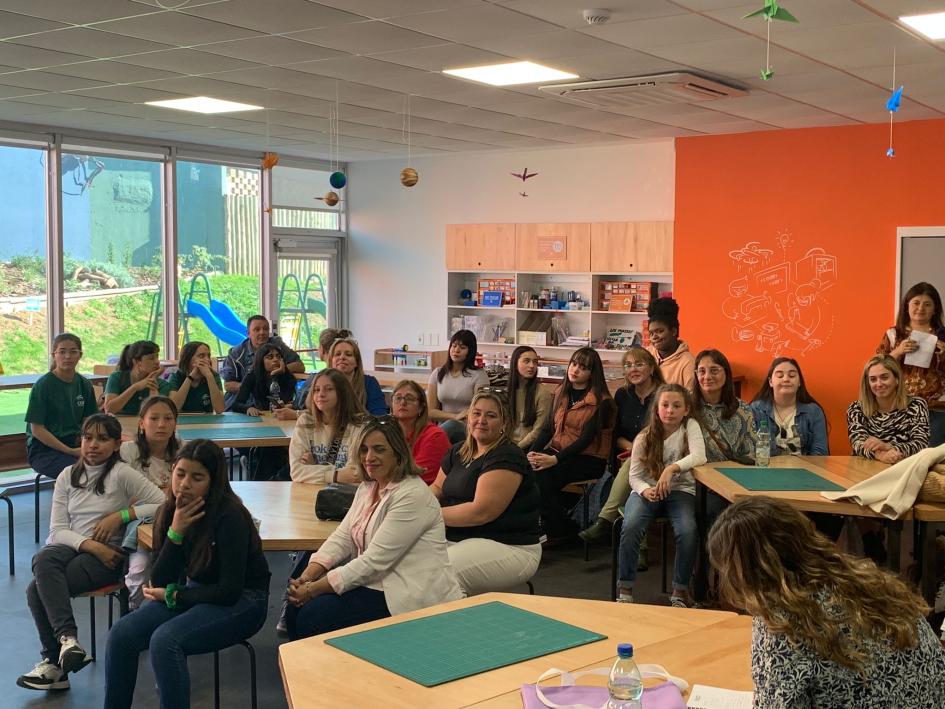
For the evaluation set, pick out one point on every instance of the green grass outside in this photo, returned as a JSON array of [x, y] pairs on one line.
[[12, 409]]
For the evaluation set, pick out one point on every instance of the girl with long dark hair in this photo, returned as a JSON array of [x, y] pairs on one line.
[[529, 400], [451, 387], [195, 386], [137, 376], [268, 387], [795, 421]]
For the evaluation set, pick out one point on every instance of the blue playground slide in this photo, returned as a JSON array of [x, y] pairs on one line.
[[224, 313], [219, 330]]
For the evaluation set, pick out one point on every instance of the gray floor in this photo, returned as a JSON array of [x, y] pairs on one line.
[[563, 572]]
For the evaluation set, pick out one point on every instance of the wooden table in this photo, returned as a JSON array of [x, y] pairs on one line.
[[26, 381], [216, 432], [287, 511], [697, 645]]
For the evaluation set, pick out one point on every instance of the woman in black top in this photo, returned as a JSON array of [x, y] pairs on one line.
[[269, 386], [490, 502], [209, 583]]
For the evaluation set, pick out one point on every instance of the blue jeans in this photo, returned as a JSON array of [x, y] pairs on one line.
[[172, 635], [680, 507], [330, 612]]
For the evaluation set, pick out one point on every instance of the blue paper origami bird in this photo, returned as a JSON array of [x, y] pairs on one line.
[[892, 105], [772, 11]]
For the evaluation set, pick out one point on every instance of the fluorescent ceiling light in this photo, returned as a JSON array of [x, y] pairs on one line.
[[204, 104], [510, 73], [931, 25]]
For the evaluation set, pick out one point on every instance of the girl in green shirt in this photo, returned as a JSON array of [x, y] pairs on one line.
[[137, 377], [195, 386]]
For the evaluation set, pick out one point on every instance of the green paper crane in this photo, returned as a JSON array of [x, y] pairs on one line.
[[771, 11]]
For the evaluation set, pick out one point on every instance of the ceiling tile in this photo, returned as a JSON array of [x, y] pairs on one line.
[[440, 56], [613, 64], [274, 51], [11, 91], [383, 9], [187, 61], [366, 38], [112, 72], [175, 28], [737, 59], [274, 16], [810, 13], [473, 25], [13, 24], [130, 94], [79, 13], [26, 57], [47, 81], [357, 69], [568, 13], [661, 31], [89, 42], [545, 45], [865, 44]]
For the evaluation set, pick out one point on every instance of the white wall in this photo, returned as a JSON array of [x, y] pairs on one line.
[[398, 235]]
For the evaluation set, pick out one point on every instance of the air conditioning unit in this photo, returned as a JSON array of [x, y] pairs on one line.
[[637, 91]]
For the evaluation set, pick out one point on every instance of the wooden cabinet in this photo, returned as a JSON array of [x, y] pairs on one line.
[[629, 247], [480, 247], [553, 247]]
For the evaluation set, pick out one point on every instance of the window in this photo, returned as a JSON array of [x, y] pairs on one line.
[[295, 198], [303, 300], [218, 252], [112, 233]]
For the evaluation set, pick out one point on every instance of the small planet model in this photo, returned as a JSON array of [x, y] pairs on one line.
[[338, 180], [331, 198], [409, 177]]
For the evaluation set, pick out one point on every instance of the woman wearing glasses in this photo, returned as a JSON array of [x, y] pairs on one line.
[[388, 555], [643, 378], [428, 442], [490, 502]]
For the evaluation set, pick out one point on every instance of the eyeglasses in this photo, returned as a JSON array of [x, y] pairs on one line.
[[408, 399], [635, 365]]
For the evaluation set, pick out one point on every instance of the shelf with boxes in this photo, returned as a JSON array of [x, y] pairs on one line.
[[409, 361]]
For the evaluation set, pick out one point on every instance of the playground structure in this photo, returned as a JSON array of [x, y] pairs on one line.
[[296, 305]]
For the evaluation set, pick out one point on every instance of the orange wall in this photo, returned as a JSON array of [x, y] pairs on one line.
[[831, 189]]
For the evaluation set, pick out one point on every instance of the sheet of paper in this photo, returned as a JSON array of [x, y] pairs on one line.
[[922, 357], [705, 697]]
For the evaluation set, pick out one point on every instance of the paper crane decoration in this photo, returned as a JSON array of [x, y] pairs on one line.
[[270, 160], [771, 11], [892, 105]]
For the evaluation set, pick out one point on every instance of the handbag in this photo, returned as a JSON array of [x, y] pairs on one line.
[[334, 500], [933, 487]]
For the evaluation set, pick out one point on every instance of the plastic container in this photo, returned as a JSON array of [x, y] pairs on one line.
[[763, 447], [625, 683]]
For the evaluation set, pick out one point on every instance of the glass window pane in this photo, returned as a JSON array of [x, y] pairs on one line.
[[304, 219], [112, 256], [23, 336], [299, 187], [218, 252], [303, 301]]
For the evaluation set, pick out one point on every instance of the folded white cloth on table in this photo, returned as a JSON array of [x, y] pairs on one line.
[[892, 492]]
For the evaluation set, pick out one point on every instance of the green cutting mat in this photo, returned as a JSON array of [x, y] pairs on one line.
[[188, 419], [228, 432], [779, 479], [456, 644]]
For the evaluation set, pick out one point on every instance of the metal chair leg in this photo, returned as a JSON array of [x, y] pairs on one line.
[[615, 532], [216, 680], [252, 670], [92, 624], [36, 508], [585, 514], [531, 588], [10, 531], [252, 675]]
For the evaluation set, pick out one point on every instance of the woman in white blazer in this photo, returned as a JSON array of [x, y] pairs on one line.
[[387, 556]]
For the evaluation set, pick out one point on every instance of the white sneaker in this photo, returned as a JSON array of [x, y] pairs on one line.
[[281, 627], [72, 657], [625, 597], [45, 675]]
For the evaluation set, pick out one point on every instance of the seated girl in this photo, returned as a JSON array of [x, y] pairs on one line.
[[829, 630], [59, 401], [451, 386], [345, 356], [529, 399], [886, 423], [92, 501], [326, 432], [428, 442], [794, 420], [196, 387], [151, 453], [575, 443], [490, 502], [388, 555], [269, 386], [663, 457], [209, 586], [137, 377]]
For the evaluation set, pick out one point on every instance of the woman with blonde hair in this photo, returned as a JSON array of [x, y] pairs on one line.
[[428, 442], [345, 356], [490, 502], [829, 630], [885, 423]]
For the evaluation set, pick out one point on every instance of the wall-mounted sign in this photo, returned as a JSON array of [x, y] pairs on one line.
[[552, 247]]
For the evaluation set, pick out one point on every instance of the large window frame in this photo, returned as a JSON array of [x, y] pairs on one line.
[[309, 241]]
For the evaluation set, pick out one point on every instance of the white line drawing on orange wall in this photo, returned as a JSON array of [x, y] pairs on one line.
[[779, 302]]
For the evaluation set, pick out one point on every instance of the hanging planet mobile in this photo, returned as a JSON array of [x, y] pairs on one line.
[[338, 180], [409, 177], [330, 198]]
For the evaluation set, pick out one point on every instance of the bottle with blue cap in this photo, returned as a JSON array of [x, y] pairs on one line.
[[625, 683]]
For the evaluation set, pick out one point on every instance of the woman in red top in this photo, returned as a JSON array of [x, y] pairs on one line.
[[575, 443], [428, 442]]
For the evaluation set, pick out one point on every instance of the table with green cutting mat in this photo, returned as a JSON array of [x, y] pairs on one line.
[[481, 650], [227, 429]]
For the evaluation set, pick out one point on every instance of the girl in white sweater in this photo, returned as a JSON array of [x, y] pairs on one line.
[[91, 505], [663, 456], [326, 431]]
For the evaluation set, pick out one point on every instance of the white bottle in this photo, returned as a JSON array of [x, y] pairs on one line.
[[625, 684], [763, 447]]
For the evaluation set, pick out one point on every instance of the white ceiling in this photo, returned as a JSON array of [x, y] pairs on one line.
[[89, 65]]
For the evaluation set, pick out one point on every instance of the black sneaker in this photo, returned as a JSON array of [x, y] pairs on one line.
[[46, 676], [72, 657]]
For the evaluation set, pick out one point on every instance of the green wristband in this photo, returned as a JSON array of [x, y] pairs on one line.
[[125, 516], [169, 592], [174, 536]]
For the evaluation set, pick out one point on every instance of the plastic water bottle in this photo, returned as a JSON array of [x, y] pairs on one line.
[[275, 395], [763, 447], [625, 684]]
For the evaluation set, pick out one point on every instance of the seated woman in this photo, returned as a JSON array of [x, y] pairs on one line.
[[451, 387], [388, 555], [529, 399], [269, 386], [886, 423], [345, 356], [326, 432], [137, 377], [428, 442], [196, 388], [151, 453], [209, 585], [490, 502], [634, 399], [675, 361], [829, 630], [793, 418]]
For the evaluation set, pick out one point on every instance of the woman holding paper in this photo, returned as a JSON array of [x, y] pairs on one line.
[[917, 342]]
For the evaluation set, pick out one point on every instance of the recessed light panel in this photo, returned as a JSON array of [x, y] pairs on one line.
[[931, 25], [205, 104], [510, 74]]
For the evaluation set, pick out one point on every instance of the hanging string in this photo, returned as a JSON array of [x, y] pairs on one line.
[[768, 47], [890, 152], [405, 128]]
